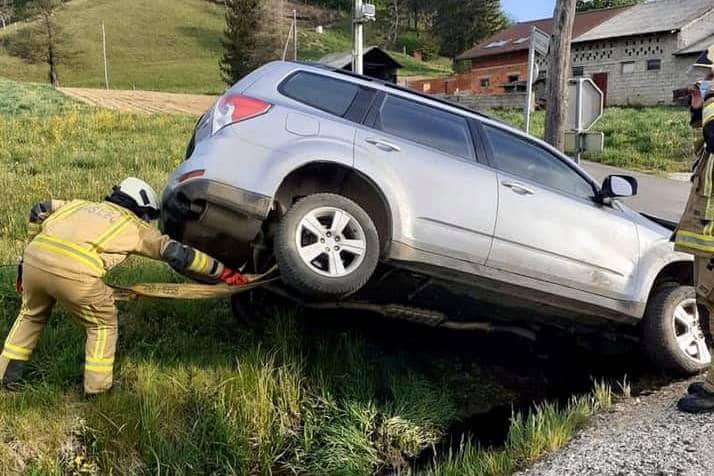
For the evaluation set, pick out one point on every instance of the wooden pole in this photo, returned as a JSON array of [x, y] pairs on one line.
[[295, 36], [104, 53], [558, 73]]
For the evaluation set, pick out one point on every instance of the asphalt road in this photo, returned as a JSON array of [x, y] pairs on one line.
[[658, 196]]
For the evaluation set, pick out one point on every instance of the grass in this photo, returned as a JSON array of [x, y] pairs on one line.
[[162, 45], [652, 139]]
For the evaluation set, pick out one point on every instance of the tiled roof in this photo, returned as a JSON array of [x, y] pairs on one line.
[[649, 17], [515, 37], [697, 47]]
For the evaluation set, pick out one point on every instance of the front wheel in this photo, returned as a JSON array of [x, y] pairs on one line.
[[326, 246], [672, 331]]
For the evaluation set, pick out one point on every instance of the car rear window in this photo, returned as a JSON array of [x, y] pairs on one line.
[[426, 125], [329, 94]]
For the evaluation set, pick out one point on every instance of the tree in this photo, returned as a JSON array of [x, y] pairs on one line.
[[44, 40], [558, 72], [460, 24], [251, 37], [585, 5]]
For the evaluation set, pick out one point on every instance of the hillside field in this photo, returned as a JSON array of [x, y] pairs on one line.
[[163, 45]]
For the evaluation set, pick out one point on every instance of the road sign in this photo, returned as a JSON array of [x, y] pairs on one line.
[[539, 44], [589, 142], [585, 104], [541, 41]]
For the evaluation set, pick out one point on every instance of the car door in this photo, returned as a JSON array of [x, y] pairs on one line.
[[550, 227], [424, 157]]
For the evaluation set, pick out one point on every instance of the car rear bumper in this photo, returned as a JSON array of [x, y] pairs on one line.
[[214, 217]]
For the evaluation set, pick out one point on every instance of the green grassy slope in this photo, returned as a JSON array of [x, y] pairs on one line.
[[163, 45]]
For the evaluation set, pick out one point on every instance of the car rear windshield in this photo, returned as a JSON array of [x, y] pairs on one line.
[[329, 94]]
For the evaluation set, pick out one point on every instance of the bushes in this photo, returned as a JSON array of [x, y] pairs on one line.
[[422, 41]]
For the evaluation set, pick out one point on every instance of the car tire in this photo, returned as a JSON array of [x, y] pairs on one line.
[[671, 314], [326, 246]]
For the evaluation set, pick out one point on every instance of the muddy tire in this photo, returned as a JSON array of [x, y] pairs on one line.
[[326, 246], [671, 331]]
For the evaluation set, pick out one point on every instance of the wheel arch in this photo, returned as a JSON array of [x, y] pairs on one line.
[[681, 272], [332, 177]]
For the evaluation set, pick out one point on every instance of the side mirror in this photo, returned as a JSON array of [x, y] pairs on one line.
[[616, 186]]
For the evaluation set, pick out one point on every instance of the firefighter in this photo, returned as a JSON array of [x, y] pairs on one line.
[[695, 234], [75, 243]]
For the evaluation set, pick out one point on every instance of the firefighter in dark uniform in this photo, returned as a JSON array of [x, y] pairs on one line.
[[695, 233]]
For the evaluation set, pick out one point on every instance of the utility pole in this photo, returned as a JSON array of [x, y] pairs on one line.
[[529, 85], [358, 53], [104, 52], [295, 33], [558, 73]]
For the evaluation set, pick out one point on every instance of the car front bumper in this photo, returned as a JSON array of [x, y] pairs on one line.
[[216, 218]]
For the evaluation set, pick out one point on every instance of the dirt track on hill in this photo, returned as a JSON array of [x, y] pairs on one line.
[[141, 101]]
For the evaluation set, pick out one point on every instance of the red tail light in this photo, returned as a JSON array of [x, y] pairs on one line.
[[232, 108]]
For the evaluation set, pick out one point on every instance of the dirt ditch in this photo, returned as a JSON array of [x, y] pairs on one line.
[[495, 374]]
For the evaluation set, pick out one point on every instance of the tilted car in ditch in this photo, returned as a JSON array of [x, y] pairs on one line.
[[371, 196]]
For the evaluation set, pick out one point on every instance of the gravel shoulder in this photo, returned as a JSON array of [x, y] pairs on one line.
[[643, 435]]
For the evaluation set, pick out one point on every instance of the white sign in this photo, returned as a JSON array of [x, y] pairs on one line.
[[541, 41], [585, 104]]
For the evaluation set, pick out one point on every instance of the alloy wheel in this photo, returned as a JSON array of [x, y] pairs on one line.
[[331, 242], [688, 332]]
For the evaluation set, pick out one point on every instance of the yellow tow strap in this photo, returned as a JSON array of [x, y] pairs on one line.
[[190, 290]]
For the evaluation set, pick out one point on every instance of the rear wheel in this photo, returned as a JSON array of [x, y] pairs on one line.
[[672, 331], [326, 246]]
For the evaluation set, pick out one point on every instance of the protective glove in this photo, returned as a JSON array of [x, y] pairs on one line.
[[233, 278], [39, 212], [18, 278]]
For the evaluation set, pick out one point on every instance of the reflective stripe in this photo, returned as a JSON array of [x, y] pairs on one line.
[[204, 260], [17, 349], [64, 211], [111, 233], [100, 360], [694, 241], [71, 250], [98, 369], [8, 354], [708, 112]]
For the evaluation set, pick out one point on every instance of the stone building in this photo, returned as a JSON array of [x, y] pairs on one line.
[[641, 56]]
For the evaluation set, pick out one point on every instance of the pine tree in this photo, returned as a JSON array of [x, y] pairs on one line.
[[252, 36], [462, 23]]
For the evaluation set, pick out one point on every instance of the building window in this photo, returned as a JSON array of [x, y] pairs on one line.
[[654, 65], [628, 67], [512, 78], [485, 82], [578, 71]]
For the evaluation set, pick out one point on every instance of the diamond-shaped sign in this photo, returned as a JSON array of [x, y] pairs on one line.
[[585, 104]]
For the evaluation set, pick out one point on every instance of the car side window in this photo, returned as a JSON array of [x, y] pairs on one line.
[[329, 94], [426, 125], [524, 159]]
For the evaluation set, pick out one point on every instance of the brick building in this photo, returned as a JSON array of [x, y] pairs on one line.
[[499, 64], [642, 55]]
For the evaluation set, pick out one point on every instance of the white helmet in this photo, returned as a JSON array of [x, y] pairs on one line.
[[141, 192]]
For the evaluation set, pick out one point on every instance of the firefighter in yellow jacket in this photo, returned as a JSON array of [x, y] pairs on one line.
[[75, 244], [695, 233]]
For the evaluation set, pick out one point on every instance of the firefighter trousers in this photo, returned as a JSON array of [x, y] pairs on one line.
[[704, 282], [90, 300]]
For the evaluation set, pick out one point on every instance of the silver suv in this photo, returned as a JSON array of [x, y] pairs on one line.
[[365, 193]]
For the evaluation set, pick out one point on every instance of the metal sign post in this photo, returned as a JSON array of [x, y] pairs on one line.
[[585, 108], [539, 43]]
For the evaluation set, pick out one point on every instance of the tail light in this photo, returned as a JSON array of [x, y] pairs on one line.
[[232, 108]]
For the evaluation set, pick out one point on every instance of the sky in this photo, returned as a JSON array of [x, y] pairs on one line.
[[523, 10]]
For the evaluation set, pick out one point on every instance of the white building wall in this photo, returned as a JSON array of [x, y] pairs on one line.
[[639, 87]]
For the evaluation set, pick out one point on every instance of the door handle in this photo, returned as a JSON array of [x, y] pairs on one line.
[[384, 145], [518, 188]]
